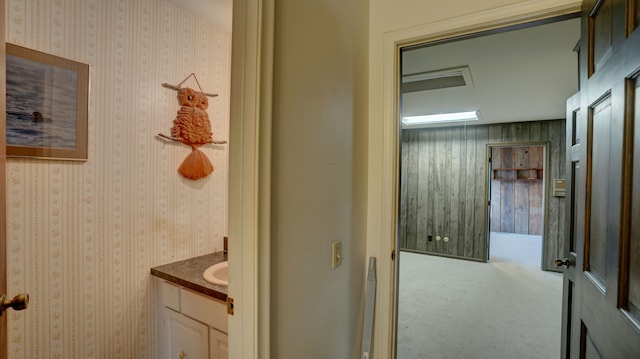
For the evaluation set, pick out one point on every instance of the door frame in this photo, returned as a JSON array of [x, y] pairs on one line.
[[384, 131], [3, 188], [545, 193], [249, 177]]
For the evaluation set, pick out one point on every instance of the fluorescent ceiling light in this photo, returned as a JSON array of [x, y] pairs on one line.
[[441, 117]]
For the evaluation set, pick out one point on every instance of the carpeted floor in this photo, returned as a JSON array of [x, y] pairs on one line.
[[508, 308]]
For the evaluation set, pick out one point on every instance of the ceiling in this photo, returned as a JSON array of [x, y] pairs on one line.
[[521, 75]]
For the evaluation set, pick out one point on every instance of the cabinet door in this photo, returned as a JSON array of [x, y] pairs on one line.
[[218, 342], [188, 338]]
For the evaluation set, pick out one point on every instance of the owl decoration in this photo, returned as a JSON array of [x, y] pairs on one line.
[[193, 128]]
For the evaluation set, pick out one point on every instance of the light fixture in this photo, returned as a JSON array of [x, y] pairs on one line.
[[441, 117]]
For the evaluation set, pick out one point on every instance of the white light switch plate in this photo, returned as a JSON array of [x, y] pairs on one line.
[[336, 254]]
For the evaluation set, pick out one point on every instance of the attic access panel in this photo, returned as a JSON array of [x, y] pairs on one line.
[[437, 80]]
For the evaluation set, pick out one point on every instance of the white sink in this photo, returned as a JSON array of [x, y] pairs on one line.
[[217, 274]]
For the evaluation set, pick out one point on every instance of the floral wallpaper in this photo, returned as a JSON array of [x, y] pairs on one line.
[[82, 236]]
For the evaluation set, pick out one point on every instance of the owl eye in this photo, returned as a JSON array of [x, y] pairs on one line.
[[190, 98]]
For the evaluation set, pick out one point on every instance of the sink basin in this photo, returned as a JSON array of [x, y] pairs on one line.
[[217, 274]]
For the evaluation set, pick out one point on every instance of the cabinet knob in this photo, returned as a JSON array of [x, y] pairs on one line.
[[182, 355]]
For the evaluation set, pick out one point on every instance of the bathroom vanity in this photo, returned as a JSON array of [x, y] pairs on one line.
[[191, 312]]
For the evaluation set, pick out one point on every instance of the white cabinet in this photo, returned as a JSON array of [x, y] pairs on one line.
[[191, 325], [218, 345], [188, 338]]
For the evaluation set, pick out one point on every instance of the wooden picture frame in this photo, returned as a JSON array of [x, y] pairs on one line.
[[47, 105]]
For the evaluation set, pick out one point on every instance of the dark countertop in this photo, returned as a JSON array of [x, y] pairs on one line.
[[188, 273]]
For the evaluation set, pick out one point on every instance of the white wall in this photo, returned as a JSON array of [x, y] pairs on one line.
[[82, 236], [394, 22], [319, 184]]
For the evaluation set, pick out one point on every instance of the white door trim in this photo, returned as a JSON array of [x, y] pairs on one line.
[[249, 177], [383, 137]]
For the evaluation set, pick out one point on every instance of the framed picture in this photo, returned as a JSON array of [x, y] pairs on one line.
[[47, 105]]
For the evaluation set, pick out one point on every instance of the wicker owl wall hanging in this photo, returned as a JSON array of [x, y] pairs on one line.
[[192, 127]]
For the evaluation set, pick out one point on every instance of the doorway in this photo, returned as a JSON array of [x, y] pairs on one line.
[[516, 204], [443, 193]]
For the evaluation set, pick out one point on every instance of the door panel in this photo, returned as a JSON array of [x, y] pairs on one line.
[[634, 15], [602, 283], [590, 350], [599, 34], [599, 164]]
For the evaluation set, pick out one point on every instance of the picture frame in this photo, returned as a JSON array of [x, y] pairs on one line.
[[47, 105]]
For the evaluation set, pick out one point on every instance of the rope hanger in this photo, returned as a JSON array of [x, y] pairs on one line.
[[178, 87]]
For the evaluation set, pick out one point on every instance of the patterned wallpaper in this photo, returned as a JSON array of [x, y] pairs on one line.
[[82, 236]]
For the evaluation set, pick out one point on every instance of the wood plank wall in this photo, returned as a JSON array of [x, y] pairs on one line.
[[444, 180], [516, 201]]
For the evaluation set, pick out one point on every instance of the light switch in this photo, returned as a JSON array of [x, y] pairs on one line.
[[336, 254]]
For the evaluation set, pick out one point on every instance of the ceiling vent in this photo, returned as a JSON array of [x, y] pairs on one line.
[[437, 80]]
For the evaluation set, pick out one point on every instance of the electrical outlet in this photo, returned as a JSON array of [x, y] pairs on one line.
[[336, 254]]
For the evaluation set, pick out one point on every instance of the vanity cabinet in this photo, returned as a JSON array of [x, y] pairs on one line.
[[191, 325], [188, 338], [218, 345]]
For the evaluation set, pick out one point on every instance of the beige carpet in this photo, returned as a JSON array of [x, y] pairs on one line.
[[508, 308]]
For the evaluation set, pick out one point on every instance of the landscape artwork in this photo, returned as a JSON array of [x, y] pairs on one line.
[[47, 103]]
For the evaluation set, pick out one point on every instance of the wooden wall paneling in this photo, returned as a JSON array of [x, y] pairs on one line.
[[519, 132], [480, 204], [553, 169], [438, 179], [442, 178], [534, 131], [560, 201], [521, 193], [552, 225], [454, 193], [423, 192], [404, 199], [506, 136], [496, 162], [507, 203], [495, 136], [552, 218], [462, 186], [404, 212], [495, 133], [544, 130], [435, 203], [415, 161], [447, 169], [535, 192], [470, 192], [511, 132], [431, 205], [412, 186], [556, 204], [447, 190]]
